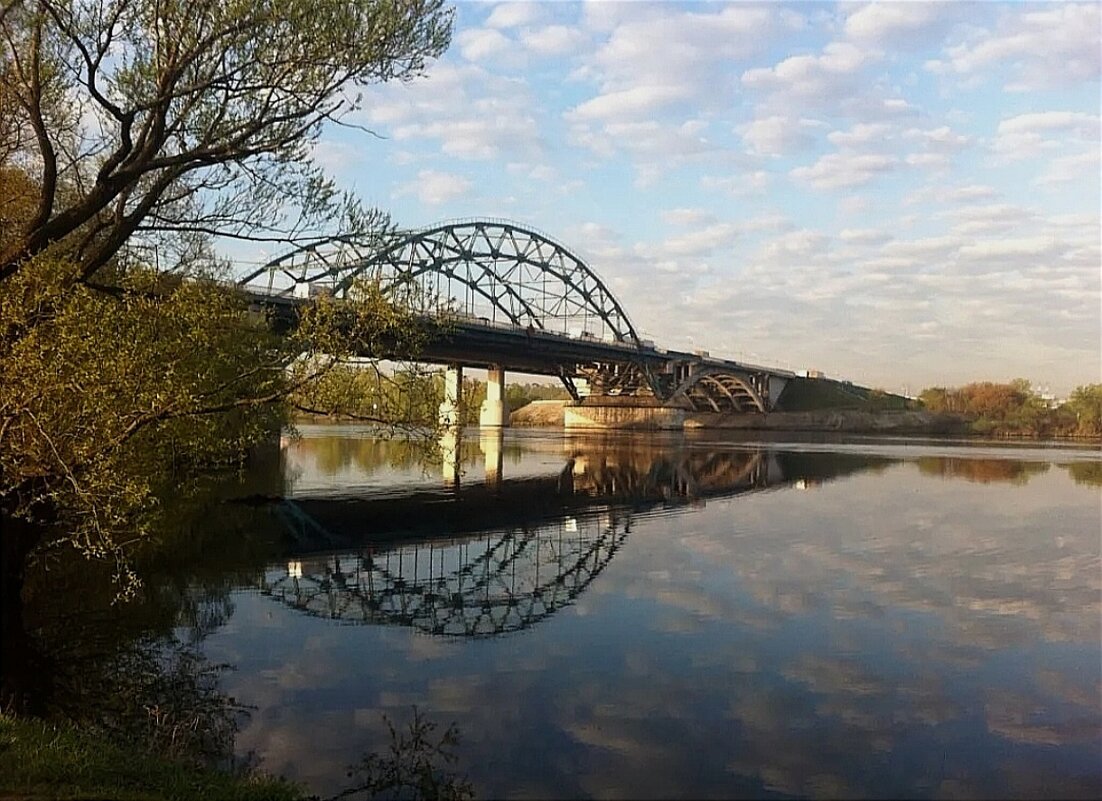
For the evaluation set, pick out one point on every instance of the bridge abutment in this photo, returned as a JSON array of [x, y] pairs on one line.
[[598, 413]]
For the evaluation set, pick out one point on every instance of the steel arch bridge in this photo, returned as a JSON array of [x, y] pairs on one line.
[[499, 279]]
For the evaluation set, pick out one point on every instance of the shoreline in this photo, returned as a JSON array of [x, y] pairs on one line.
[[549, 414]]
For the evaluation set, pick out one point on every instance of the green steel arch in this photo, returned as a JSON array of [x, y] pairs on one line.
[[497, 271]]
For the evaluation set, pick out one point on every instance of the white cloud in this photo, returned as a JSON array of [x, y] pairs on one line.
[[336, 157], [942, 194], [778, 134], [484, 138], [477, 44], [1004, 248], [942, 139], [554, 40], [629, 104], [471, 112], [701, 241], [845, 170], [664, 54], [654, 146], [907, 25], [864, 236], [1055, 46], [861, 135], [515, 14], [688, 217], [1028, 135], [433, 188], [990, 218], [823, 77], [927, 160], [1072, 169], [745, 183]]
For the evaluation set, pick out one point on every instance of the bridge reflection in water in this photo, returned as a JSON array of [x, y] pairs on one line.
[[499, 556]]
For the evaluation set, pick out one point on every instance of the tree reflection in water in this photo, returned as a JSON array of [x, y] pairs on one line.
[[417, 765], [133, 671], [132, 668]]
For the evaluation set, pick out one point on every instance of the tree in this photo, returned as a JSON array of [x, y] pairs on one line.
[[936, 399], [133, 133], [1086, 404], [146, 121]]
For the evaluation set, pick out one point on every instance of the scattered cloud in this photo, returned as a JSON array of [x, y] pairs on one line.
[[845, 170], [1038, 48], [434, 187], [907, 160], [907, 25], [778, 135]]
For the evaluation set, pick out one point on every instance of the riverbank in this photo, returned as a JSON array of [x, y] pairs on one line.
[[40, 760], [847, 420], [550, 414]]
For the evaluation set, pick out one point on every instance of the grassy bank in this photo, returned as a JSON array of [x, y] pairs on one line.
[[40, 760]]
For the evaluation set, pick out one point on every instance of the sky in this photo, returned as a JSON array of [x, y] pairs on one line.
[[899, 194]]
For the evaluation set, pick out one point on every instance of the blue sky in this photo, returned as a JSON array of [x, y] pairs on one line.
[[902, 194]]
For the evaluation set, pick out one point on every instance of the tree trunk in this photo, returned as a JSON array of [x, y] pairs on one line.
[[24, 669]]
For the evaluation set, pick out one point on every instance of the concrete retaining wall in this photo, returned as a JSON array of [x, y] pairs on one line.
[[623, 417]]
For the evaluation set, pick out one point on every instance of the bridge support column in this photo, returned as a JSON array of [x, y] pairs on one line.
[[493, 413], [453, 386]]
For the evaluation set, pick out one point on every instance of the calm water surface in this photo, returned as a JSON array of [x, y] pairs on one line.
[[689, 616]]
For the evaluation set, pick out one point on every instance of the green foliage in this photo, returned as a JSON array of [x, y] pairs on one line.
[[109, 394], [1085, 404], [812, 394], [61, 761], [113, 377], [519, 395], [103, 395], [365, 391]]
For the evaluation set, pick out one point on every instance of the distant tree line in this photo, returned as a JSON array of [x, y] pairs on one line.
[[1015, 409], [411, 393]]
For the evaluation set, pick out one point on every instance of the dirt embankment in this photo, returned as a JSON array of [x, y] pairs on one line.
[[539, 413], [898, 422]]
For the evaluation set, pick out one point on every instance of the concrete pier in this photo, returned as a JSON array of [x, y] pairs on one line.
[[493, 413], [453, 388]]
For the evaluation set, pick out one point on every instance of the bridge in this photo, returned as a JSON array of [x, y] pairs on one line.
[[514, 299]]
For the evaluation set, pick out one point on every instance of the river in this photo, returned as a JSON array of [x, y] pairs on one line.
[[664, 616], [667, 616]]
